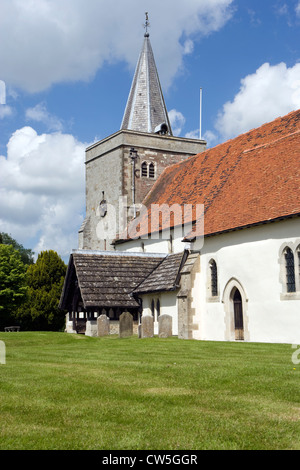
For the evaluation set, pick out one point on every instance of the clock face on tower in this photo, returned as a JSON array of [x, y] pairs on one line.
[[103, 208]]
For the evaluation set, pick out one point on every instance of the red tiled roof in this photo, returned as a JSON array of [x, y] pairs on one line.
[[250, 179]]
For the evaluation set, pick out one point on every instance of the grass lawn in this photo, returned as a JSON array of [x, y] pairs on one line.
[[63, 391]]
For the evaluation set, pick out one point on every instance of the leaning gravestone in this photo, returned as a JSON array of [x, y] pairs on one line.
[[103, 325], [125, 325], [164, 326], [147, 326]]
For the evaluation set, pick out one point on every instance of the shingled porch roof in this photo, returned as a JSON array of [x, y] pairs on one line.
[[106, 279], [165, 276]]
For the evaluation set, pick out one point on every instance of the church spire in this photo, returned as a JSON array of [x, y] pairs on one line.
[[146, 110]]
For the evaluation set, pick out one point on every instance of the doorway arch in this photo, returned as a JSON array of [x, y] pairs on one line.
[[236, 299], [235, 304]]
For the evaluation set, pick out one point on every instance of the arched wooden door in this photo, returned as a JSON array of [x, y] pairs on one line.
[[238, 315]]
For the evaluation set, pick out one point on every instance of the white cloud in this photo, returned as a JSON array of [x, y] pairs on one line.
[[188, 47], [177, 121], [41, 114], [282, 9], [297, 9], [272, 91], [192, 134], [209, 136], [71, 40], [5, 111], [42, 189]]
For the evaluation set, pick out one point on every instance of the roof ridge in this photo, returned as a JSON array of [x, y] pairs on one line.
[[149, 274], [271, 142], [119, 253], [267, 123]]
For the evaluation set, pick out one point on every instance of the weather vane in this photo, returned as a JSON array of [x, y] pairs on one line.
[[147, 24]]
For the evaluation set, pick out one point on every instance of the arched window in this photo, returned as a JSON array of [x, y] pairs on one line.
[[151, 170], [290, 270], [144, 169], [298, 251], [213, 278]]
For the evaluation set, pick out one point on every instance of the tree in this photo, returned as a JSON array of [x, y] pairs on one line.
[[13, 288], [45, 280], [25, 253]]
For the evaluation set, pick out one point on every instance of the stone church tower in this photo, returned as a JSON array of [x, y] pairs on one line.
[[122, 168]]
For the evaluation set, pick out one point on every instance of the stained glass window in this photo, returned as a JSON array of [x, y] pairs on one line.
[[290, 270], [214, 278]]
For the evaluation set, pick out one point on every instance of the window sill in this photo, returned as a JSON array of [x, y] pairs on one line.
[[290, 296], [213, 299]]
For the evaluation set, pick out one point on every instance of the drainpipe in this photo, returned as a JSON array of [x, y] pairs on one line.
[[133, 155]]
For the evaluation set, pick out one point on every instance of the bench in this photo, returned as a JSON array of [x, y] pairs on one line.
[[12, 328]]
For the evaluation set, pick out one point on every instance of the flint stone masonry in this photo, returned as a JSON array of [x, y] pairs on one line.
[[186, 312], [125, 325], [147, 326], [164, 326], [103, 325], [109, 170]]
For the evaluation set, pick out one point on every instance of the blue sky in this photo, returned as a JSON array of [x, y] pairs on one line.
[[66, 69]]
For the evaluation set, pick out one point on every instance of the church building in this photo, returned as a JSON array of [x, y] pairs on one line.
[[208, 237]]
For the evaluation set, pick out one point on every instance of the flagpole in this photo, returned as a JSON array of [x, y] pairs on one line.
[[200, 126]]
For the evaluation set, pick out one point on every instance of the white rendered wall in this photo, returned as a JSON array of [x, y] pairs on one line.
[[165, 242], [249, 259], [168, 306]]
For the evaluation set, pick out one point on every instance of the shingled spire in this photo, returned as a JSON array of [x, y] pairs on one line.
[[146, 110]]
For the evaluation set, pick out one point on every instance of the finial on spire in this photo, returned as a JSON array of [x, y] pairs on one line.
[[146, 25]]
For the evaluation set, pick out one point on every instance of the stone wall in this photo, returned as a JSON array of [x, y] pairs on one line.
[[109, 176], [186, 311]]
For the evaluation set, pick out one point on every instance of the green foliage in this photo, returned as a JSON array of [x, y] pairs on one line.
[[12, 283], [45, 281], [30, 292], [25, 253]]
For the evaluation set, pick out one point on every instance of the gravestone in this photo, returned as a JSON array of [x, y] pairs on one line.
[[147, 328], [91, 328], [103, 325], [164, 326], [125, 325], [2, 353]]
